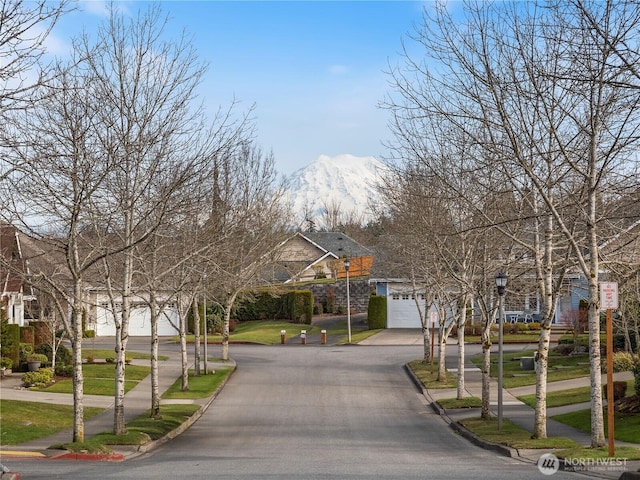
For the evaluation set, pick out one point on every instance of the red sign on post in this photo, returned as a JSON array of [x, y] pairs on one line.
[[608, 295]]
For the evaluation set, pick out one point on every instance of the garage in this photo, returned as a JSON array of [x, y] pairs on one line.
[[139, 322], [402, 311]]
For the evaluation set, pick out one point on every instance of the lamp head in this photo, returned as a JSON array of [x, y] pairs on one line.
[[501, 283]]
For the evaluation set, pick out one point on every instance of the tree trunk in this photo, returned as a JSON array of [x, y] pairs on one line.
[[442, 347], [597, 417], [426, 342], [485, 411], [183, 352], [542, 362], [461, 360], [225, 331], [78, 380], [196, 331], [155, 388]]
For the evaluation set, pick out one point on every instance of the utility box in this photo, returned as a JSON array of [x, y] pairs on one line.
[[527, 363]]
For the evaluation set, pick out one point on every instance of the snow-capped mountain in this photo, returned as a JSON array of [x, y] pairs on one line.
[[345, 184]]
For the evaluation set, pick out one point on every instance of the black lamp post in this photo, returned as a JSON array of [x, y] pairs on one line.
[[501, 283], [346, 268]]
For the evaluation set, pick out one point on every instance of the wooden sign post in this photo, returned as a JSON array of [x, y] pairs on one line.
[[609, 302]]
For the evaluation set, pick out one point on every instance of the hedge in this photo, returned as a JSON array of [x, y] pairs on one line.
[[377, 312], [294, 305], [11, 343]]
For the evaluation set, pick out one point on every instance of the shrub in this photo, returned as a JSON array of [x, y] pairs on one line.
[[636, 376], [63, 355], [27, 335], [6, 362], [534, 326], [9, 339], [564, 349], [622, 362], [26, 349], [89, 334], [377, 312], [128, 360], [38, 379], [90, 359], [64, 370], [474, 329], [109, 359], [37, 357]]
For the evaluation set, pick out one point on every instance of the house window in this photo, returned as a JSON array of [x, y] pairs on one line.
[[395, 296], [405, 296]]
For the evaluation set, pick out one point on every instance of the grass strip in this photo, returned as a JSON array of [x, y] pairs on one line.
[[469, 402], [139, 431], [428, 379], [199, 387], [513, 435]]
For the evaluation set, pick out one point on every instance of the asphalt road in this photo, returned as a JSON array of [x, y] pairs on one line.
[[311, 412]]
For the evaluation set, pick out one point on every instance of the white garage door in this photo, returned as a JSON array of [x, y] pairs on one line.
[[402, 311], [139, 322]]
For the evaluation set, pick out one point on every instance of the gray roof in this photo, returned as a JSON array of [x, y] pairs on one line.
[[338, 243]]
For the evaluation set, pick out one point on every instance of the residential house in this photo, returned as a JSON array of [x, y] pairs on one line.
[[16, 295], [316, 255]]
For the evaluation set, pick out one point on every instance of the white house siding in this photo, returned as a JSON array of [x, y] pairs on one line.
[[139, 322]]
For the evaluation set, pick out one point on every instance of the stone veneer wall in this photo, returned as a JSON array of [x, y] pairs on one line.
[[359, 292]]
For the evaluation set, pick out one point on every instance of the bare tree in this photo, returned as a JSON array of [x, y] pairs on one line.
[[57, 174], [146, 125], [245, 226], [533, 87], [24, 28]]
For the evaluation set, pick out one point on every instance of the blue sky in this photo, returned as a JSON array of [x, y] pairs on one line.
[[314, 69]]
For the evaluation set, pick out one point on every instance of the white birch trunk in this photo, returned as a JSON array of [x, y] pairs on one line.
[[196, 331], [155, 388], [461, 360]]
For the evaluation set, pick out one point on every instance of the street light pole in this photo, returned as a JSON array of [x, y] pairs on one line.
[[346, 267], [501, 283]]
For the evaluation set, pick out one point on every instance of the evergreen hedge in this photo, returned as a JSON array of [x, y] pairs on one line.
[[377, 312]]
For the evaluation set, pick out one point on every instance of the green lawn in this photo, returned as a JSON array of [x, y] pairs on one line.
[[561, 367], [104, 353], [429, 379], [267, 332], [513, 435], [99, 379], [524, 337], [24, 421], [468, 402], [568, 397], [627, 427], [199, 387]]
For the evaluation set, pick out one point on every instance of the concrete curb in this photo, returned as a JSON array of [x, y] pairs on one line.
[[148, 447], [460, 429]]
